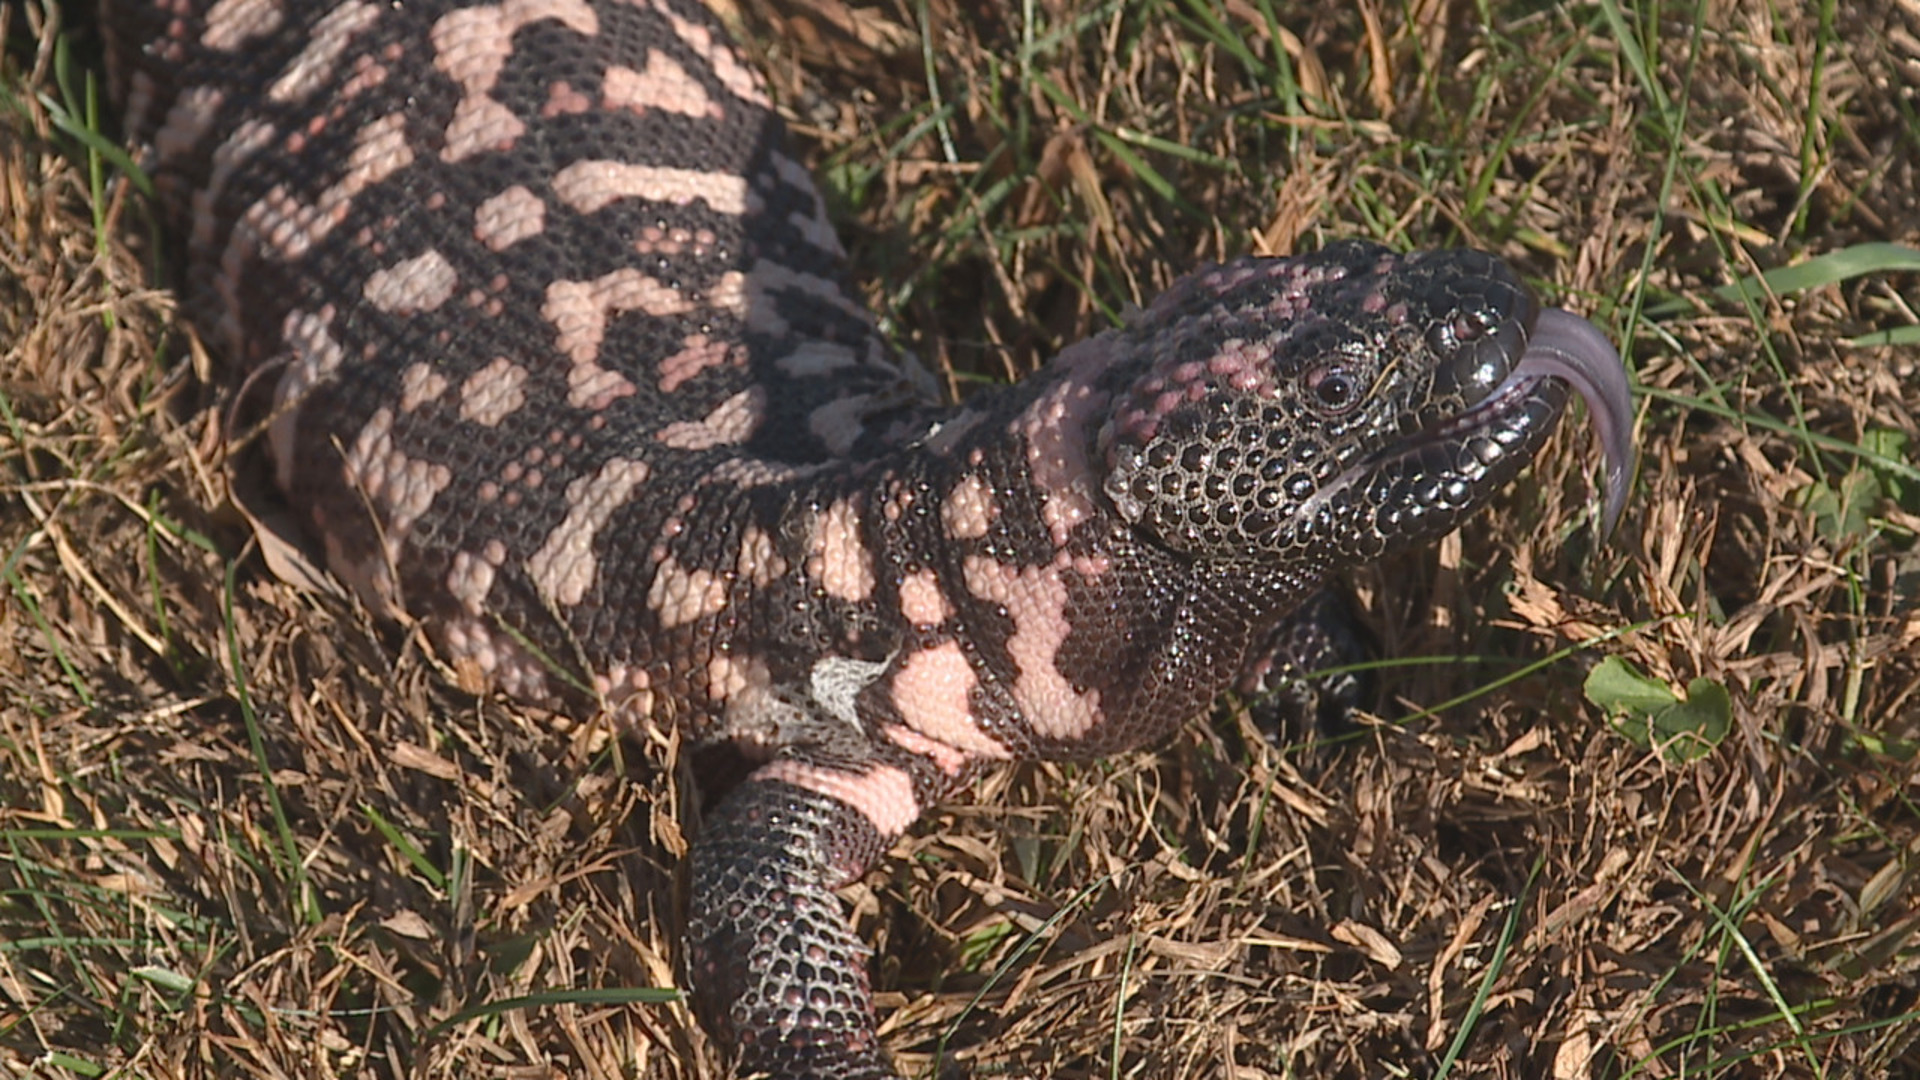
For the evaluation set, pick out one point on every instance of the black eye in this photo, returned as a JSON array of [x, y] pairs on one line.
[[1334, 388]]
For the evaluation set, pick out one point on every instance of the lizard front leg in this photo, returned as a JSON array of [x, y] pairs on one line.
[[777, 971]]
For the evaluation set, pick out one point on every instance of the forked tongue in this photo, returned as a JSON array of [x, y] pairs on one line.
[[1566, 346]]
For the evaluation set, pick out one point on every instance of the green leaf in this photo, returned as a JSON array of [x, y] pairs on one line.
[[1899, 335], [165, 978], [976, 949], [1842, 514], [1886, 443], [1885, 745], [1818, 272], [1617, 686], [1691, 729], [1829, 269], [1647, 713], [407, 848]]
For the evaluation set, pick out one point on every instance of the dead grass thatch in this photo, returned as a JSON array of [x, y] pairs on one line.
[[250, 832]]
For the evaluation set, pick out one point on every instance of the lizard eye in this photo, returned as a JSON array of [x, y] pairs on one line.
[[1333, 388]]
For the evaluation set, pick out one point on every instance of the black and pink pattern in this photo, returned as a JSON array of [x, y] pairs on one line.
[[565, 368]]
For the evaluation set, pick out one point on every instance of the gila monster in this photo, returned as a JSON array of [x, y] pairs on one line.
[[565, 366]]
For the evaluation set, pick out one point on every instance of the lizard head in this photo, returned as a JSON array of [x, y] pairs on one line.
[[1327, 408]]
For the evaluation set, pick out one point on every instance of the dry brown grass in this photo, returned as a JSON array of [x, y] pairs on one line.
[[248, 832]]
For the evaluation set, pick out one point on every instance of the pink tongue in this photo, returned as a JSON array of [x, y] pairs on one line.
[[1566, 346]]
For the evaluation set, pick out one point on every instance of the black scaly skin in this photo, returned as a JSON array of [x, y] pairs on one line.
[[562, 355], [1290, 699], [769, 940]]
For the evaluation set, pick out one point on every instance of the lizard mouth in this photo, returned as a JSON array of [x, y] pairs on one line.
[[1427, 482]]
